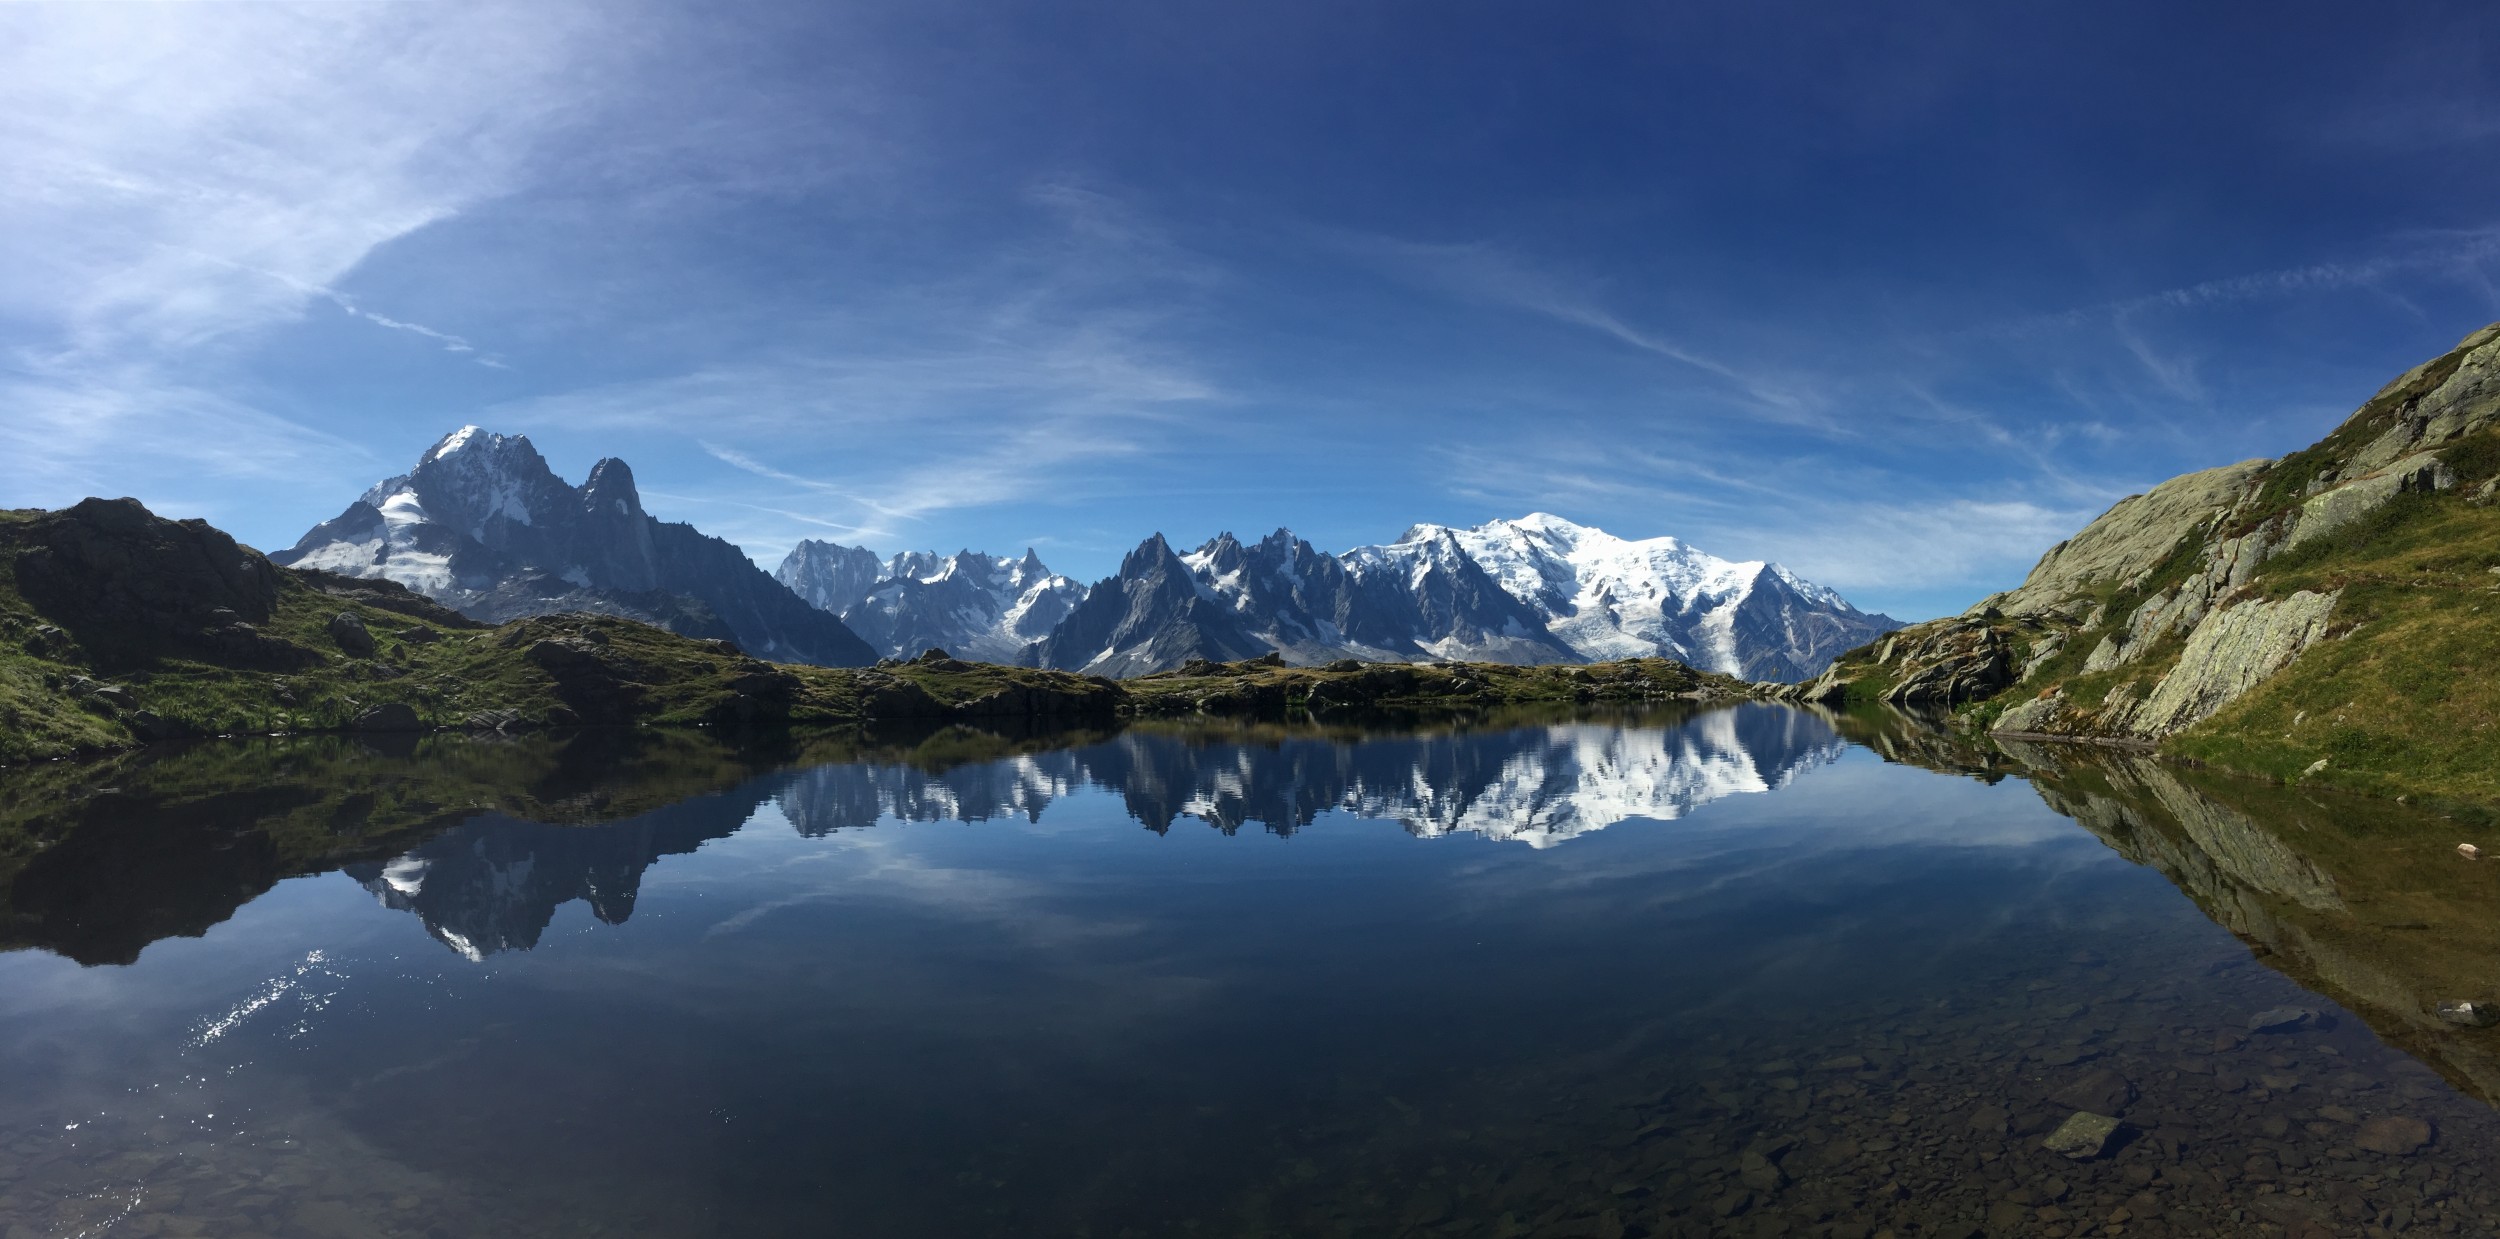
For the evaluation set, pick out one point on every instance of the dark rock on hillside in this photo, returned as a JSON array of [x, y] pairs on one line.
[[130, 587], [351, 635], [598, 684], [387, 594], [391, 716]]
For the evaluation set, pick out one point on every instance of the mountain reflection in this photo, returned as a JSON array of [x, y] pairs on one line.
[[493, 883], [1539, 785]]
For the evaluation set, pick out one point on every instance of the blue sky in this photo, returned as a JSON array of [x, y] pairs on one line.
[[1895, 294]]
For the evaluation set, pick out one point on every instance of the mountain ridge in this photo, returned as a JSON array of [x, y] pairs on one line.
[[987, 607], [484, 526], [1429, 596]]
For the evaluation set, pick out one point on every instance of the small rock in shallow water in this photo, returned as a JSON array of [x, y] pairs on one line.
[[2396, 1135], [2083, 1136], [2471, 1014], [2282, 1019]]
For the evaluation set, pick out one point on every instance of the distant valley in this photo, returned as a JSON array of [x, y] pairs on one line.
[[484, 526]]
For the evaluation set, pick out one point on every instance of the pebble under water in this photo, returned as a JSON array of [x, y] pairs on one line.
[[1752, 971]]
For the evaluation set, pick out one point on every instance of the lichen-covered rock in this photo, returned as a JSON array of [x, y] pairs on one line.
[[2234, 650], [1951, 664], [2129, 540], [2328, 511]]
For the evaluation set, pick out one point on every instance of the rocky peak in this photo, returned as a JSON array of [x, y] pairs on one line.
[[481, 524], [1152, 555], [830, 576], [610, 489], [1222, 556]]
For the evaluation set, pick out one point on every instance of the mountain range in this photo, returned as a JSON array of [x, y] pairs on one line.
[[482, 525], [972, 605], [1536, 590]]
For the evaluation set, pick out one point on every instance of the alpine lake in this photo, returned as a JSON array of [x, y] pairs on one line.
[[1749, 971]]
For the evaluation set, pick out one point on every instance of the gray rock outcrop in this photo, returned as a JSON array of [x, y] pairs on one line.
[[2232, 652]]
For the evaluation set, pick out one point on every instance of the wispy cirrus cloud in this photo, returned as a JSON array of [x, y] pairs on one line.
[[1035, 374], [183, 178], [2465, 255], [1488, 275]]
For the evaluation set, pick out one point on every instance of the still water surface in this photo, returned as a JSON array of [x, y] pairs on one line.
[[1753, 971]]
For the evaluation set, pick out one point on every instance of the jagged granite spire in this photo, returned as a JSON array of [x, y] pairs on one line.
[[483, 525]]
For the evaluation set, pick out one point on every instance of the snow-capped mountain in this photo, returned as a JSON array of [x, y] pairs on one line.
[[1229, 600], [1156, 614], [1536, 590], [482, 525], [1608, 597], [1461, 611], [969, 604]]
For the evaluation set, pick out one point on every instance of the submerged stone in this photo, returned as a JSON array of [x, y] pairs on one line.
[[2282, 1019], [2083, 1136], [2396, 1135]]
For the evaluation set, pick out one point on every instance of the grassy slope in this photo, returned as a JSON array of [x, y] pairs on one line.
[[2404, 703], [1445, 687], [462, 671], [2394, 708]]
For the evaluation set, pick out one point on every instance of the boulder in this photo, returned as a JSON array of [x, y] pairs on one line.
[[350, 635], [2282, 1019], [149, 727], [389, 716]]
